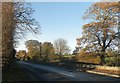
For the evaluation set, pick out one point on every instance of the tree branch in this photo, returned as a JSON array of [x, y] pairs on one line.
[[98, 39]]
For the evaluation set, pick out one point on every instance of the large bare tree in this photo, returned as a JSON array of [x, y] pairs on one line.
[[100, 33]]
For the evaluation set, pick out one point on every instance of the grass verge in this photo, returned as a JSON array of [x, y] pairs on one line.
[[14, 74]]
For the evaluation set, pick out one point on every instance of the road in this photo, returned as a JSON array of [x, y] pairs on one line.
[[37, 72]]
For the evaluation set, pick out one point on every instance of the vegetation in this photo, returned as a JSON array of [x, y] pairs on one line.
[[101, 32], [33, 47], [16, 19], [7, 33], [48, 52], [21, 54], [14, 74], [45, 51], [61, 47], [88, 57], [98, 44], [112, 58], [99, 35]]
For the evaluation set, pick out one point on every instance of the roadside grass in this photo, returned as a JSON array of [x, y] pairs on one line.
[[14, 73], [107, 71]]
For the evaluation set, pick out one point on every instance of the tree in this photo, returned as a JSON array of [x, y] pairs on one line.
[[61, 47], [16, 19], [21, 54], [102, 30], [33, 47], [48, 51], [24, 20], [7, 33]]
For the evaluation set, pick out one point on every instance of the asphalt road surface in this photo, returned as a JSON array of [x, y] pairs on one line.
[[37, 72]]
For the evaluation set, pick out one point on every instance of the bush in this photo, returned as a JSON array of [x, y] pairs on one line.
[[88, 57], [113, 61]]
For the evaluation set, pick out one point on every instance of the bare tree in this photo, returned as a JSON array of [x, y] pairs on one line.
[[61, 47]]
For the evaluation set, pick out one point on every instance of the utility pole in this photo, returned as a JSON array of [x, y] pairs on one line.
[[40, 56]]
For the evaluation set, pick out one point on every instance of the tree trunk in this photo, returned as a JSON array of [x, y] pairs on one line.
[[102, 57]]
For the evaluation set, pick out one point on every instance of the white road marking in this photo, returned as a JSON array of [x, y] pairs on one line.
[[68, 75]]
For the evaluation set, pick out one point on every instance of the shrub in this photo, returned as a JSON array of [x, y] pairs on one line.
[[88, 57], [112, 61]]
